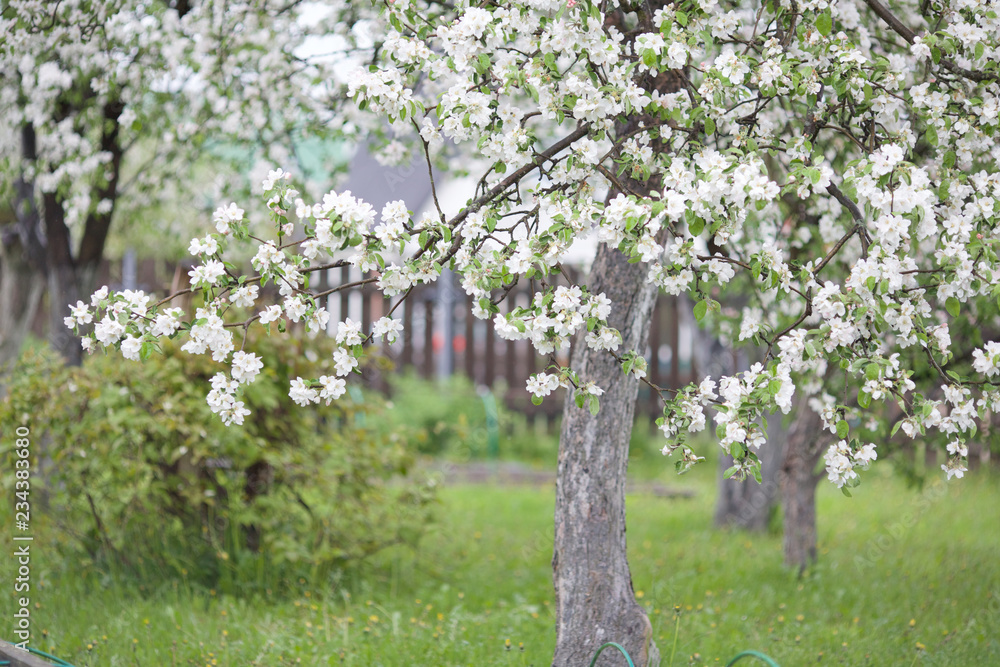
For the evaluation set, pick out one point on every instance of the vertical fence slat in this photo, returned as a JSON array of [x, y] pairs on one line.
[[470, 340], [427, 365], [673, 336], [345, 302], [655, 338], [407, 357], [489, 352]]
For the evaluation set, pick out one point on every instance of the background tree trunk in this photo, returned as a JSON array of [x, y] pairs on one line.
[[595, 602], [22, 261], [21, 291], [62, 280], [804, 447], [746, 504]]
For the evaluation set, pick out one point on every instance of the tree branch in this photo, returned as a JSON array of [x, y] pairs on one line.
[[903, 31]]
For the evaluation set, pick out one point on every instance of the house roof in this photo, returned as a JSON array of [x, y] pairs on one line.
[[378, 185]]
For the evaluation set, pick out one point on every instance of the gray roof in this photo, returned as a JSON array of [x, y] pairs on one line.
[[378, 185]]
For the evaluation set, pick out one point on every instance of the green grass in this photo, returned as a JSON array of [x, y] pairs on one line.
[[904, 577]]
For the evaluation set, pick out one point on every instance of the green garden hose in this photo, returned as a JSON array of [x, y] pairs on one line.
[[738, 656], [617, 646], [752, 654], [58, 662], [492, 423]]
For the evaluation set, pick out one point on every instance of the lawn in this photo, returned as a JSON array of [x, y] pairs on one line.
[[905, 577]]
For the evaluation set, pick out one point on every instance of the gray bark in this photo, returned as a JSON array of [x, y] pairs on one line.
[[22, 262], [595, 602], [20, 295], [62, 281], [805, 445], [746, 504]]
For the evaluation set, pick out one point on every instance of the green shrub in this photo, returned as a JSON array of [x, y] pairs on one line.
[[139, 472]]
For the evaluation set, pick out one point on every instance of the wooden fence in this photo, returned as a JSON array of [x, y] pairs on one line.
[[441, 337]]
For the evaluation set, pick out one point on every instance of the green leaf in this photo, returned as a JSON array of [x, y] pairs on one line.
[[536, 400], [953, 306], [949, 160], [595, 406], [844, 490], [843, 428], [871, 371], [931, 135], [700, 309], [864, 399], [738, 451], [824, 23], [943, 190], [709, 126], [696, 226]]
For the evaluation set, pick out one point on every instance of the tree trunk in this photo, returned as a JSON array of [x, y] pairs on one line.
[[62, 281], [595, 602], [20, 295], [805, 445], [746, 504], [22, 261]]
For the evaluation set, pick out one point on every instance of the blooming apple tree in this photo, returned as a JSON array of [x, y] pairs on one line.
[[835, 163]]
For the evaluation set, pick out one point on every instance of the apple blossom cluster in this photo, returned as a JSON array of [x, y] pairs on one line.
[[554, 317], [842, 458], [818, 180]]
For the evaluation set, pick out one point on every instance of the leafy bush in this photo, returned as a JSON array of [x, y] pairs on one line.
[[138, 470]]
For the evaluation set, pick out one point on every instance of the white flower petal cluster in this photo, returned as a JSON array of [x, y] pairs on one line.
[[388, 328], [542, 384], [246, 366], [302, 393], [209, 333], [222, 400], [166, 323], [226, 217], [987, 359], [841, 461]]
